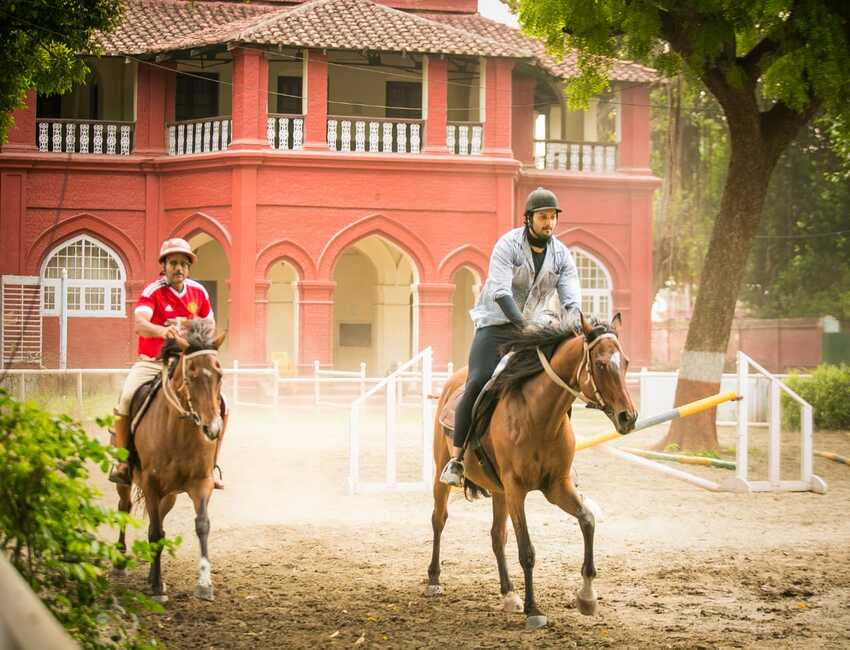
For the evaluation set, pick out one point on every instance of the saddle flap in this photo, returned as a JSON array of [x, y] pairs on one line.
[[141, 400], [447, 414]]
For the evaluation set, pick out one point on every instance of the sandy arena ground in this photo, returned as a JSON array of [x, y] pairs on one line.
[[299, 564]]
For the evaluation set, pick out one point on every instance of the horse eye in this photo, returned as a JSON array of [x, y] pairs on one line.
[[600, 365]]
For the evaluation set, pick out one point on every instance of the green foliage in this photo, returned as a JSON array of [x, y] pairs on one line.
[[49, 521], [827, 389], [41, 42], [800, 263]]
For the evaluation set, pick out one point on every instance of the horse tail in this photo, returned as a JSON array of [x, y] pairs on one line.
[[473, 491]]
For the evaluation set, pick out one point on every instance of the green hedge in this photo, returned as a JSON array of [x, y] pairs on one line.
[[827, 389], [49, 521]]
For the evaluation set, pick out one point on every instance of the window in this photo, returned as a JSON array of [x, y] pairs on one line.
[[95, 285], [596, 285], [197, 96], [289, 95], [404, 99]]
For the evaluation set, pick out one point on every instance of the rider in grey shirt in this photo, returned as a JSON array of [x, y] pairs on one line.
[[528, 266]]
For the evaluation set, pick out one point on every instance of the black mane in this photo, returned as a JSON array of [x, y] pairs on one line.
[[199, 333]]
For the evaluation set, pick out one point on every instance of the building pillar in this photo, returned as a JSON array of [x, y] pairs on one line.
[[498, 89], [392, 312], [13, 208], [261, 301], [639, 346], [633, 151], [149, 138], [522, 126], [21, 137], [315, 323], [435, 320], [316, 102], [242, 261], [436, 100], [250, 100]]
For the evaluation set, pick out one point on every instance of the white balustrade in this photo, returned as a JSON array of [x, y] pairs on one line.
[[586, 157], [385, 136], [84, 136], [207, 135], [465, 138]]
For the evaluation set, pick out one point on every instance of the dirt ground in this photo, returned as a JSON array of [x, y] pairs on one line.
[[297, 563]]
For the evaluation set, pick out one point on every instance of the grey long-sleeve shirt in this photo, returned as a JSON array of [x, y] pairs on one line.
[[512, 273]]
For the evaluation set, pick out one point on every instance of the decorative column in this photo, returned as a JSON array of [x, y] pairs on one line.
[[151, 100], [498, 87], [633, 152], [21, 137], [261, 301], [250, 100], [435, 103], [435, 320], [242, 261], [315, 323], [316, 102], [522, 123]]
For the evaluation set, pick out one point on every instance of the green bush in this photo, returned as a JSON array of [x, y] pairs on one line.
[[827, 389], [49, 521]]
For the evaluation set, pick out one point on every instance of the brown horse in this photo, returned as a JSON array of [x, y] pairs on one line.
[[531, 444], [175, 444]]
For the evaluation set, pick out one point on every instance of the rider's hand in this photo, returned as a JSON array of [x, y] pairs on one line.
[[170, 332]]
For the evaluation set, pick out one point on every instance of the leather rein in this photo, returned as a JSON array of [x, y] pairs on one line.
[[172, 394]]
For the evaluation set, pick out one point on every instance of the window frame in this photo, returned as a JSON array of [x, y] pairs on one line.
[[83, 284], [595, 294]]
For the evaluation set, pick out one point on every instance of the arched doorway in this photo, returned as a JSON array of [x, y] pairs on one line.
[[213, 271], [596, 285], [373, 316], [467, 285], [282, 316]]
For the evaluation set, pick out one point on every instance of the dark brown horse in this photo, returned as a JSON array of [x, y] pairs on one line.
[[175, 444], [531, 444]]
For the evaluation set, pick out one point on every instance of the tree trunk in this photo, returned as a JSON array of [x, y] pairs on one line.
[[723, 271]]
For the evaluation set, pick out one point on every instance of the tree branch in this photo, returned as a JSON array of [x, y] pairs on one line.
[[781, 123], [774, 42]]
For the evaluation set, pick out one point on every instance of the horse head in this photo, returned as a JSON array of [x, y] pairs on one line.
[[602, 376], [198, 372]]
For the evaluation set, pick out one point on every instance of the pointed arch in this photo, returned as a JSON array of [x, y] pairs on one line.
[[200, 222], [466, 255], [89, 224], [285, 249], [609, 256], [378, 224]]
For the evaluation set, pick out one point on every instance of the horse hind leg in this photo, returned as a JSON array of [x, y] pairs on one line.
[[565, 496], [155, 534], [499, 536], [125, 504]]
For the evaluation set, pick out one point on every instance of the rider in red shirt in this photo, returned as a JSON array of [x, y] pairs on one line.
[[163, 303]]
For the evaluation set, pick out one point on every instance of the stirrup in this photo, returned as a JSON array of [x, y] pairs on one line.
[[119, 476], [452, 473]]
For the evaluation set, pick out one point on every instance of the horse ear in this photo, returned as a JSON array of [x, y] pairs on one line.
[[219, 340], [616, 323], [586, 326]]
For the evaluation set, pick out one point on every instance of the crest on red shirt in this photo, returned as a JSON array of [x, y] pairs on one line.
[[192, 307]]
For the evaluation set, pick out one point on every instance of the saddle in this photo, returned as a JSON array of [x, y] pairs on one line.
[[141, 400]]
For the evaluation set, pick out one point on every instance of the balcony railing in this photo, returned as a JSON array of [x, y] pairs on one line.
[[374, 136], [85, 136], [199, 136], [590, 157], [465, 138], [285, 132]]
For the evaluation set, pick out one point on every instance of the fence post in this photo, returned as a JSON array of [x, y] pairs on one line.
[[743, 408], [362, 378], [774, 435], [806, 443], [275, 384], [427, 417], [80, 393], [391, 430], [235, 382], [354, 449], [316, 382]]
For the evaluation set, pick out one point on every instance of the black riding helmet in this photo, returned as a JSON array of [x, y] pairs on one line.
[[541, 199]]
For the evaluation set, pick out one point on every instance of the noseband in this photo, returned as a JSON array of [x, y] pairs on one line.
[[171, 394], [599, 401]]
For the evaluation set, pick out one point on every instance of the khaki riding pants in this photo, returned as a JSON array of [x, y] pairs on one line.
[[140, 373]]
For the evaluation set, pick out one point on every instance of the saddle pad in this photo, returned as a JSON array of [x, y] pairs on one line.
[[141, 400], [447, 414]]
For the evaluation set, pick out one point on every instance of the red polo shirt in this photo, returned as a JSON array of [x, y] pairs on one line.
[[162, 303]]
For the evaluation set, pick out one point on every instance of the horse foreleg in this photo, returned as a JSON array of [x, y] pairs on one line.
[[125, 504], [155, 534], [565, 496], [200, 499], [438, 522], [499, 537], [515, 497]]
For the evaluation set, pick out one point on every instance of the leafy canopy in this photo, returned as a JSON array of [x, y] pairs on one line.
[[41, 42]]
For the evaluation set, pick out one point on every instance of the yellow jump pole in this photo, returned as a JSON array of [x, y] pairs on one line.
[[680, 412], [838, 459]]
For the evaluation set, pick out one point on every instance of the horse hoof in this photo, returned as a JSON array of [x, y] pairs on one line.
[[204, 592], [434, 590], [535, 622], [586, 607], [160, 598], [511, 603]]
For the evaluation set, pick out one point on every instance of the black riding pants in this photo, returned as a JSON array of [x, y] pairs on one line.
[[483, 358]]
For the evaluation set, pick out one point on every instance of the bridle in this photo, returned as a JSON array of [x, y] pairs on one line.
[[172, 395], [597, 401]]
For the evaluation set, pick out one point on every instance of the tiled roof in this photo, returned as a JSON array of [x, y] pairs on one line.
[[153, 26], [566, 69], [148, 25]]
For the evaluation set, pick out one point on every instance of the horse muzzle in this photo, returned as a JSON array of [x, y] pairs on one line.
[[625, 422], [213, 429]]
